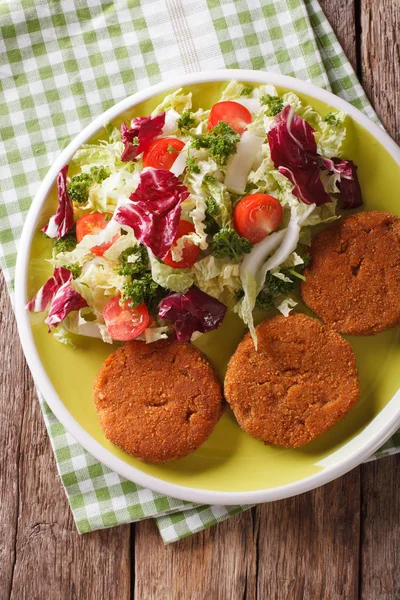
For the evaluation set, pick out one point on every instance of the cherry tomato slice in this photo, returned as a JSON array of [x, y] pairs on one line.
[[158, 156], [124, 322], [190, 251], [91, 225], [233, 113], [256, 216]]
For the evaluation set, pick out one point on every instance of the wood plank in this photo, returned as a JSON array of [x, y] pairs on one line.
[[341, 15], [303, 547], [380, 516], [12, 400], [308, 546], [380, 532], [216, 564], [380, 60], [42, 555]]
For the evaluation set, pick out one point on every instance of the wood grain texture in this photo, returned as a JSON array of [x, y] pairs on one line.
[[341, 15], [380, 533], [308, 546], [41, 553], [380, 517], [13, 388], [217, 564], [380, 60]]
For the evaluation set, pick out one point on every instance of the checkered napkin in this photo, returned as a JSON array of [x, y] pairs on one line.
[[62, 64]]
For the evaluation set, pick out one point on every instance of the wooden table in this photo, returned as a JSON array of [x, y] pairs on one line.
[[338, 542]]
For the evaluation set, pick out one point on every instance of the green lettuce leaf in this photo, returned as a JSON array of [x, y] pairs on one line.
[[177, 100], [195, 206], [220, 194], [62, 335], [177, 280], [285, 305], [306, 112], [104, 197], [244, 308], [98, 283], [233, 91], [331, 134], [122, 243], [217, 277]]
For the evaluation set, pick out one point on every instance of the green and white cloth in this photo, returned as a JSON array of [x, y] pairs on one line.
[[62, 64]]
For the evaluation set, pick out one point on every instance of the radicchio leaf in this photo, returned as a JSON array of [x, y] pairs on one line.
[[58, 293], [338, 166], [349, 186], [139, 136], [64, 301], [294, 153], [155, 210], [60, 223], [308, 186], [193, 311], [45, 295], [291, 140]]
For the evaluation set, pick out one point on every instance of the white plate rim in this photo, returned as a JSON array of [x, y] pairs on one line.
[[338, 463]]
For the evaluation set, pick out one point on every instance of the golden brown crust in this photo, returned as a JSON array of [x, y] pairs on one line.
[[157, 401], [301, 381], [353, 280]]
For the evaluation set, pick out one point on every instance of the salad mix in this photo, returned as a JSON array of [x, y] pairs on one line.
[[179, 215]]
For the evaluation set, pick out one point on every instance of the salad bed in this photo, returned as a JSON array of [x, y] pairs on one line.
[[181, 214]]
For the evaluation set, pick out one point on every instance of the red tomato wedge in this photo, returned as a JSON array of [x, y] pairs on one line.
[[256, 216], [233, 113], [158, 156], [91, 225], [190, 251], [123, 321]]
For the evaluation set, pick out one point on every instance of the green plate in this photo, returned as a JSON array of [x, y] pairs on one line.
[[231, 461]]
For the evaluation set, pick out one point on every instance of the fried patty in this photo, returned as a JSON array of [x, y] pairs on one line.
[[157, 401], [301, 381], [353, 280]]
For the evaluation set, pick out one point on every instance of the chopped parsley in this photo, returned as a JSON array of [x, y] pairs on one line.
[[140, 286], [220, 142], [186, 121], [332, 119], [75, 269], [192, 165], [99, 174], [274, 104], [228, 243], [274, 286], [212, 211], [246, 91], [133, 261], [66, 243], [144, 290], [78, 188], [264, 300], [171, 149]]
